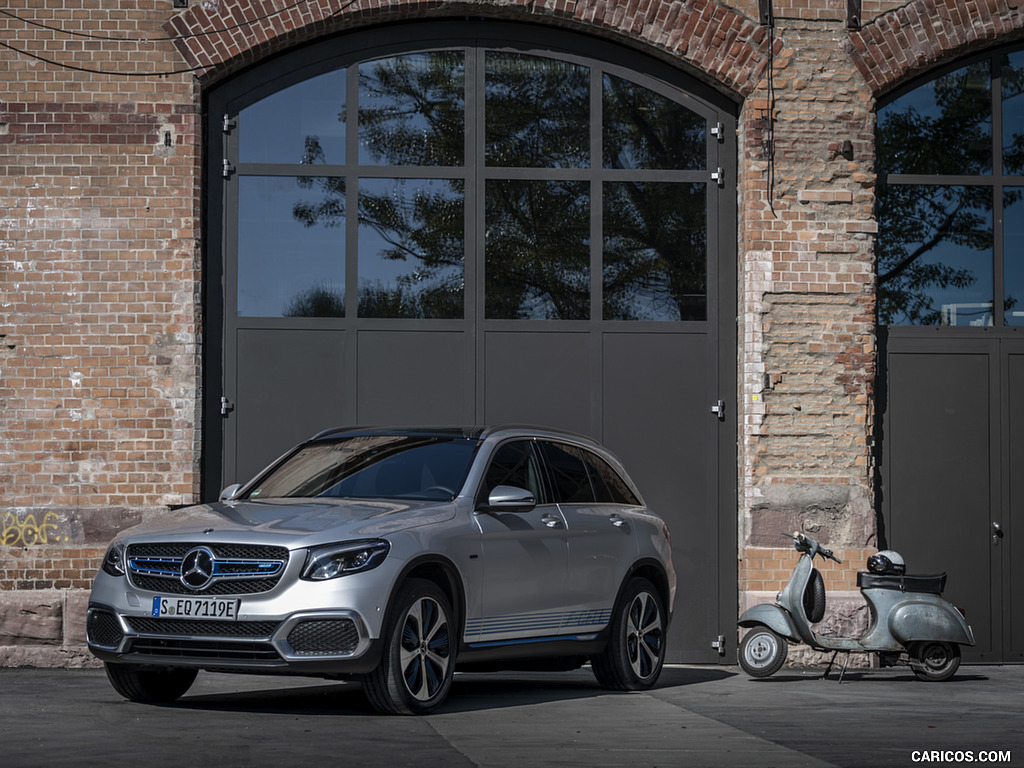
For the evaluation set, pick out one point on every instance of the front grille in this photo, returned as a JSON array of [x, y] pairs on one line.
[[323, 637], [215, 651], [166, 559], [199, 628], [103, 629]]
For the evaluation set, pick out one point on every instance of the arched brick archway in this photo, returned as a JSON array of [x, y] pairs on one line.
[[716, 43], [905, 42]]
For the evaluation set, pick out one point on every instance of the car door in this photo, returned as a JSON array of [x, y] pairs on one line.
[[602, 540], [524, 553]]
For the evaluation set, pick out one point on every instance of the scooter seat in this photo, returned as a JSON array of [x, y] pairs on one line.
[[932, 583]]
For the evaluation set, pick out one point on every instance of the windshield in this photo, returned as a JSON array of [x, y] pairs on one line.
[[427, 467]]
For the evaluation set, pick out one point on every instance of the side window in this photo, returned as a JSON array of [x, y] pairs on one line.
[[609, 487], [568, 473], [515, 464]]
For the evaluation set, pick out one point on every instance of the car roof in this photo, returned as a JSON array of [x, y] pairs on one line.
[[478, 432]]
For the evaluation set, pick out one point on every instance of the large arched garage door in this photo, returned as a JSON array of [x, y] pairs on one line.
[[482, 223]]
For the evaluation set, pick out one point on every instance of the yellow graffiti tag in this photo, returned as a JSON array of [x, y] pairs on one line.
[[26, 532]]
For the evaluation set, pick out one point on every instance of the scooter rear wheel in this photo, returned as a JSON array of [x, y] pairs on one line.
[[762, 652], [934, 661]]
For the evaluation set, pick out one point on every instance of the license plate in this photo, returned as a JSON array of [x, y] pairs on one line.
[[223, 609]]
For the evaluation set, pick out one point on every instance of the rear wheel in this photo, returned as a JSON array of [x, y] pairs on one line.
[[416, 668], [635, 653], [150, 686], [934, 661], [762, 652]]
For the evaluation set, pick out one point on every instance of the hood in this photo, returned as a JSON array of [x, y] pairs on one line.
[[292, 522]]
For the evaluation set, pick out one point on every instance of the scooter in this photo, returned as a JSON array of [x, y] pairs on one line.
[[909, 621]]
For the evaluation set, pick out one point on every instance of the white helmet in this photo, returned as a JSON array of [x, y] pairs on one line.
[[887, 562]]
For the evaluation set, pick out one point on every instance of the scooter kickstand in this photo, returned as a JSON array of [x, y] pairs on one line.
[[845, 662], [830, 663]]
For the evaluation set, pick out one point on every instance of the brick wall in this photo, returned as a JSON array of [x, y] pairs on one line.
[[100, 273], [98, 285]]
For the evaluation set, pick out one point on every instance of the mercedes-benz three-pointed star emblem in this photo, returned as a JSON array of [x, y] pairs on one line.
[[197, 568]]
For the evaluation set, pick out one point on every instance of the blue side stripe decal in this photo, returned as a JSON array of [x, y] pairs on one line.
[[492, 625]]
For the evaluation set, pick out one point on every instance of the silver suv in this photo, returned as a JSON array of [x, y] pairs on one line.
[[394, 556]]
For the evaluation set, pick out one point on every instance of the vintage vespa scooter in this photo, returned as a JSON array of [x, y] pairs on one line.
[[907, 616]]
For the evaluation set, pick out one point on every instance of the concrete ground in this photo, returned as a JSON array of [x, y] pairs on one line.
[[696, 716]]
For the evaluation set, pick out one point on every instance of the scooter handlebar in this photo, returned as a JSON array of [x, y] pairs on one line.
[[804, 543]]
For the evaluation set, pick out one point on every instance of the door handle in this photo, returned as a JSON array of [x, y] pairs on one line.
[[551, 521], [617, 520]]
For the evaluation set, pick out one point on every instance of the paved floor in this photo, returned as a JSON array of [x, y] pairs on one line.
[[697, 716]]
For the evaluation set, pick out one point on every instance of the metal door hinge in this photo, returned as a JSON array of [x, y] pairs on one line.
[[228, 169], [229, 123], [718, 131], [719, 410], [226, 406], [718, 176], [719, 645]]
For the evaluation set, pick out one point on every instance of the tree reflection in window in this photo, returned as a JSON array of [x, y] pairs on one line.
[[412, 109], [655, 251], [537, 112], [537, 250], [411, 248], [935, 243]]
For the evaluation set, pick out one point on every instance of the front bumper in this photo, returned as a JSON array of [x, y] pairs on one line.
[[312, 642]]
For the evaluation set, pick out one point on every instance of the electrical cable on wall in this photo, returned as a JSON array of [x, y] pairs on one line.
[[110, 38]]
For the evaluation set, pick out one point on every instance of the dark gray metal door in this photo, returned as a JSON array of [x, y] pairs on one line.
[[522, 277], [952, 436]]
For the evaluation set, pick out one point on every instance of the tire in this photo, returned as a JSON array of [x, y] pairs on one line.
[[418, 659], [933, 661], [150, 686], [762, 652], [814, 597], [635, 653]]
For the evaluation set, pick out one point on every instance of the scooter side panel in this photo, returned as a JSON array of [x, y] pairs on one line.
[[773, 617], [927, 617]]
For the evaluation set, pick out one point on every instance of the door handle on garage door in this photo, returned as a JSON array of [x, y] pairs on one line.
[[551, 521]]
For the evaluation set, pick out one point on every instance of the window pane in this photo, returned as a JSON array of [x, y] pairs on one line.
[[291, 247], [537, 112], [1012, 89], [537, 250], [412, 109], [514, 464], [935, 255], [304, 123], [943, 127], [411, 248], [643, 129], [569, 480], [655, 251], [609, 487], [1013, 255]]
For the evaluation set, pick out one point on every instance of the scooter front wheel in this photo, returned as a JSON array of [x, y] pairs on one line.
[[933, 661], [762, 652]]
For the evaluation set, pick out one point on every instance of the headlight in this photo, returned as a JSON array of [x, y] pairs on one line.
[[113, 561], [334, 560]]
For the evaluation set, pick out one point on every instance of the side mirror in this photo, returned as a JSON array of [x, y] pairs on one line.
[[230, 492], [508, 498]]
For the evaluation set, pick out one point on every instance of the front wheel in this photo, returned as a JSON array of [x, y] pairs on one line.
[[934, 661], [418, 659], [633, 658], [762, 652], [149, 686]]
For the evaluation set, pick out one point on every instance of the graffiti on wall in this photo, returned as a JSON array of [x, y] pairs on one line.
[[27, 530]]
